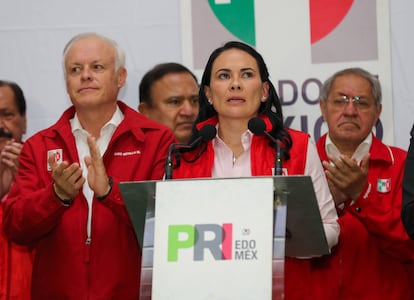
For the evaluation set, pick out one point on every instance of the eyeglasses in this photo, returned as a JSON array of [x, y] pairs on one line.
[[359, 102]]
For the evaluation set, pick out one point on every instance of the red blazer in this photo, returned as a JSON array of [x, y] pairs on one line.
[[66, 265], [15, 268], [370, 260]]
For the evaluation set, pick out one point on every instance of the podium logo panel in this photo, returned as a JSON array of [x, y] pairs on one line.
[[216, 234], [213, 239]]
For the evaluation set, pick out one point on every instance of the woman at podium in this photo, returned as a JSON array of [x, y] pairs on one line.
[[238, 99]]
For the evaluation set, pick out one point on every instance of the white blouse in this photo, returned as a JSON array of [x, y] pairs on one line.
[[225, 165]]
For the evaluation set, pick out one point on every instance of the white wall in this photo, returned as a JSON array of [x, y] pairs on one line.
[[33, 34]]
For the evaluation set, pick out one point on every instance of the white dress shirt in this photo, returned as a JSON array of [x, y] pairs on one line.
[[83, 150], [359, 153]]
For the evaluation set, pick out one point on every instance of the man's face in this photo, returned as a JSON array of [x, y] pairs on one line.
[[11, 122], [350, 123], [91, 78], [174, 103]]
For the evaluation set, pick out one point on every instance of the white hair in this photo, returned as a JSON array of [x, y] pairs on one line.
[[119, 53]]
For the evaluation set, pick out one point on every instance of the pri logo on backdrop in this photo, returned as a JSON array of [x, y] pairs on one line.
[[343, 31], [217, 21]]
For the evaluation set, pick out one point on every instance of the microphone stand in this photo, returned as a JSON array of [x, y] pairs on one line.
[[278, 154], [169, 162], [278, 159], [207, 132], [258, 126]]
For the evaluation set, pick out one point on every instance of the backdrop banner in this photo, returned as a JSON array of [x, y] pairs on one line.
[[303, 43]]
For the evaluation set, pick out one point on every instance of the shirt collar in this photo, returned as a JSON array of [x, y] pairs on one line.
[[246, 139], [116, 119], [359, 153]]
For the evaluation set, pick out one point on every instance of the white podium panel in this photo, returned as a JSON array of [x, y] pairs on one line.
[[222, 238], [213, 239]]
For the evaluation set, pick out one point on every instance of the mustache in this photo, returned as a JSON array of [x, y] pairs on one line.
[[5, 134]]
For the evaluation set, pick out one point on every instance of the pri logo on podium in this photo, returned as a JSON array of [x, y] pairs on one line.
[[217, 239], [341, 31]]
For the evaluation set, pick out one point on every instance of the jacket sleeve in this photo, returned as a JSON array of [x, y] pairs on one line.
[[407, 212], [31, 209], [381, 214]]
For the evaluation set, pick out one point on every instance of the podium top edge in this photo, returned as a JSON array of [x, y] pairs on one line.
[[215, 178]]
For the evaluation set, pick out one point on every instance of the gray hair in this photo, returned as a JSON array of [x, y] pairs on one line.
[[372, 79], [119, 53]]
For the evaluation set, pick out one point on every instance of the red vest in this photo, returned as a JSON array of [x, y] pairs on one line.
[[262, 156], [298, 272]]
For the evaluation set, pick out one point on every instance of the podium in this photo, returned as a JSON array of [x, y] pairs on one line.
[[222, 238]]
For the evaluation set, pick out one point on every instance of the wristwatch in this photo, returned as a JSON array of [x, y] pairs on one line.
[[111, 183]]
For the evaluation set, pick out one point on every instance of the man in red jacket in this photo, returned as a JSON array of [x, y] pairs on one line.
[[66, 200], [364, 176], [15, 260]]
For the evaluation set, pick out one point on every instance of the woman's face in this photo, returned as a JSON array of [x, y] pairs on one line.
[[236, 90]]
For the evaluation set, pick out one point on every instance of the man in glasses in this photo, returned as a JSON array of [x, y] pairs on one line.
[[364, 176]]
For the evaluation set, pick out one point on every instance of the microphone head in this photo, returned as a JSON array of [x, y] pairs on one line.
[[207, 132], [257, 126]]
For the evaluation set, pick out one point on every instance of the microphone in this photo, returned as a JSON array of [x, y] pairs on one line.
[[257, 126], [206, 133]]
